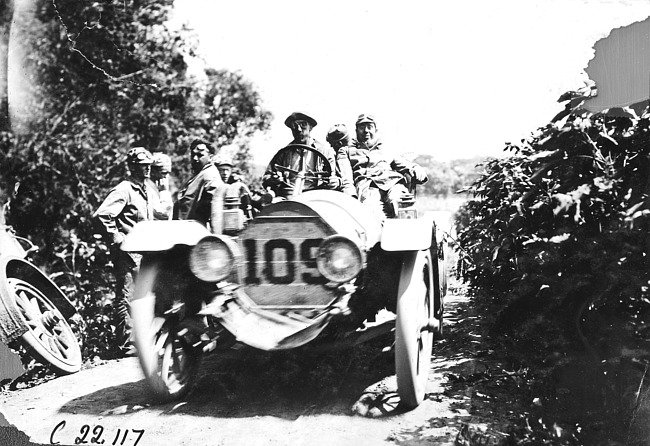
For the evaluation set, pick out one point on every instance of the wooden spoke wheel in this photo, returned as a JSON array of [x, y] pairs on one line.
[[170, 364], [50, 339], [413, 334]]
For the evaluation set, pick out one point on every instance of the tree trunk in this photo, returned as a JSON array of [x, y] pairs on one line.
[[6, 12], [24, 104]]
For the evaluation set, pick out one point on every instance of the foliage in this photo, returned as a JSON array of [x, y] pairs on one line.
[[237, 114], [111, 75], [559, 225]]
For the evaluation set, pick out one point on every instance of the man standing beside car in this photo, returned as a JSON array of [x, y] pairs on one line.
[[201, 198], [301, 126], [379, 176], [131, 201], [235, 187], [160, 169]]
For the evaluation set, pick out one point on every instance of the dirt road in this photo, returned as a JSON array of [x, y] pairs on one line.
[[252, 398]]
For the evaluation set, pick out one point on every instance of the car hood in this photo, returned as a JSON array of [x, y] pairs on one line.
[[345, 214]]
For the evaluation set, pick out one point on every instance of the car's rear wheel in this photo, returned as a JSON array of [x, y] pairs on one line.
[[169, 362], [413, 337], [49, 338]]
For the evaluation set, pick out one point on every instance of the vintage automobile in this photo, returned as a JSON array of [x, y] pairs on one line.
[[33, 310], [281, 280]]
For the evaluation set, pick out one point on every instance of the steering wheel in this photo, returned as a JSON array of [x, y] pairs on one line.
[[308, 168]]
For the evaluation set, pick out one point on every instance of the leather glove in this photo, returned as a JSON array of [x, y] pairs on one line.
[[420, 174], [333, 182], [274, 179]]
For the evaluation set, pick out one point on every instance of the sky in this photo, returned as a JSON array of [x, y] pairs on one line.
[[453, 80]]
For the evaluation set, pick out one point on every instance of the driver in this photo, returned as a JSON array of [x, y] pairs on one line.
[[301, 125]]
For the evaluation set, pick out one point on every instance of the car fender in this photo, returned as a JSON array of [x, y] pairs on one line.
[[408, 234], [163, 235]]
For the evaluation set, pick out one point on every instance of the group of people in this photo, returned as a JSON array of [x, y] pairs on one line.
[[359, 167], [145, 195]]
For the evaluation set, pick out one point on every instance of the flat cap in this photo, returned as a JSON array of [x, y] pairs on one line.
[[162, 161], [139, 155], [336, 133], [298, 116], [363, 118], [223, 160]]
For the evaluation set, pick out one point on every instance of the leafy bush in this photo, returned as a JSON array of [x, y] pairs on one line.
[[108, 76], [559, 225]]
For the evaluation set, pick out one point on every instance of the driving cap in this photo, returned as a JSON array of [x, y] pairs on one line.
[[363, 118], [139, 155], [162, 161], [298, 116], [223, 160], [337, 132]]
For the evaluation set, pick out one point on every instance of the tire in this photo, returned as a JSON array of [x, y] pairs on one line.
[[49, 338], [178, 365], [413, 344], [442, 262], [170, 364], [440, 287]]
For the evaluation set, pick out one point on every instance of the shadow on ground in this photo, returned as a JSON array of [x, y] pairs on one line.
[[249, 382]]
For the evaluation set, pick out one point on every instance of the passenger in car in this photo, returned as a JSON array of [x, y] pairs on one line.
[[378, 175], [339, 138], [301, 126], [201, 198]]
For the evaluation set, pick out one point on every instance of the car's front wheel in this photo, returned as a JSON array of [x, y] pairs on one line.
[[169, 362], [177, 364], [413, 336]]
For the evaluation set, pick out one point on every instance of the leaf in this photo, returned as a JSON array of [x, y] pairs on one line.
[[544, 155], [564, 203], [559, 238]]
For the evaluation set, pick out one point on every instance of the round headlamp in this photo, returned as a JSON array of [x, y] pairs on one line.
[[213, 258], [339, 259]]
